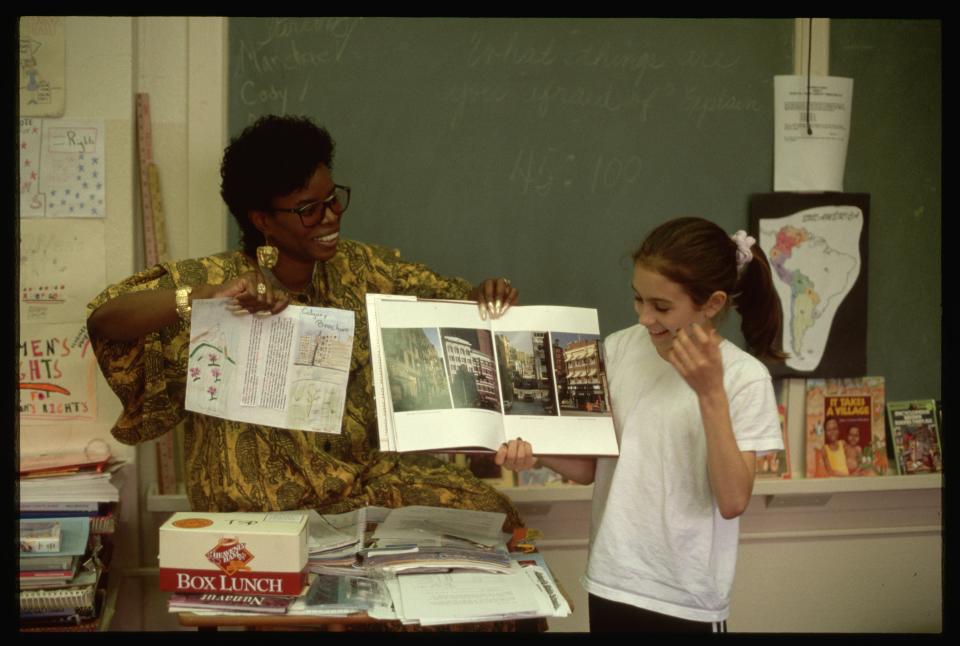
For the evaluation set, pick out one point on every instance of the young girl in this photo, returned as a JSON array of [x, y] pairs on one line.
[[691, 410]]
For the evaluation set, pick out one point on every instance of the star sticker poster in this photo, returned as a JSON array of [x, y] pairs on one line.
[[62, 169]]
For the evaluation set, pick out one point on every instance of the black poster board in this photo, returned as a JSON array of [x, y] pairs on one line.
[[822, 282]]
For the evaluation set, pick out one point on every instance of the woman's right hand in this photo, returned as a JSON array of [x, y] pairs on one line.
[[253, 293], [516, 455]]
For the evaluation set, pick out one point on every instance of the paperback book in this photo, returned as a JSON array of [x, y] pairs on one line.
[[776, 464], [845, 429], [259, 604], [915, 434], [39, 536], [447, 380], [49, 562]]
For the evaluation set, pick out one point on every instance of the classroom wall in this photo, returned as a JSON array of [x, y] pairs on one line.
[[180, 62], [177, 61], [99, 85]]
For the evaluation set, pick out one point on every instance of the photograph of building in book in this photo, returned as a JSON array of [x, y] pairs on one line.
[[530, 377], [470, 368], [845, 433], [414, 363], [580, 376], [915, 436]]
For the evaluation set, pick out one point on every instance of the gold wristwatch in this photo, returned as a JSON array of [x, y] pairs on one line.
[[183, 303]]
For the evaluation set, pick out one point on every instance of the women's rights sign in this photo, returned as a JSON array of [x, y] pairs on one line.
[[57, 371]]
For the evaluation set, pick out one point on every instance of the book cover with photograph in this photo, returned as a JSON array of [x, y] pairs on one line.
[[915, 435], [845, 427], [39, 535], [776, 464]]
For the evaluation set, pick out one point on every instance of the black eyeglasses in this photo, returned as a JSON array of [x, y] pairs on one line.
[[313, 212]]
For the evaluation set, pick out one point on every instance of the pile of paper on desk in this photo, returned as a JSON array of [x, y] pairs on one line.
[[421, 565], [458, 569], [437, 539], [468, 597], [334, 540]]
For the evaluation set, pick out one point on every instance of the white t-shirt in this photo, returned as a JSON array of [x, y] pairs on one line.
[[658, 540]]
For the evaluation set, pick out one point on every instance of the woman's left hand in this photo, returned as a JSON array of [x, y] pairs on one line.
[[494, 296], [696, 356]]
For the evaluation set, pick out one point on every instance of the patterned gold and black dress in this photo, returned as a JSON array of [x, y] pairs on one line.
[[235, 466]]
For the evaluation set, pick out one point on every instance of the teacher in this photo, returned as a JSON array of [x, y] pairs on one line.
[[277, 180]]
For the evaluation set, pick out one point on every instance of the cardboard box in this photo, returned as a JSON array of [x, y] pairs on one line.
[[236, 553]]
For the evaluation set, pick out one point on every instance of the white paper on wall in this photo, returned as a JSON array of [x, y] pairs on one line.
[[62, 268], [57, 373], [42, 64], [812, 130], [62, 169]]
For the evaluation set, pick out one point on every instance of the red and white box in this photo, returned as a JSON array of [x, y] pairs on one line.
[[236, 553]]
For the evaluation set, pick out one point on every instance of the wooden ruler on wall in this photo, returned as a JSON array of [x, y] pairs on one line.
[[155, 251]]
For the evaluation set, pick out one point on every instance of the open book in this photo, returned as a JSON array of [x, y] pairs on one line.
[[287, 370], [445, 379]]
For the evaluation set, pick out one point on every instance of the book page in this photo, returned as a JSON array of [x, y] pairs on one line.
[[288, 370], [418, 522], [447, 379], [461, 596], [442, 387], [560, 400]]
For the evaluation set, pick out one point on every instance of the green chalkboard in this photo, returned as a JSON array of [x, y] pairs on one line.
[[895, 155], [538, 149]]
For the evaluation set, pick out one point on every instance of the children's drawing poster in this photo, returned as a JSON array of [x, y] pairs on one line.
[[57, 373], [62, 170], [61, 269], [42, 47]]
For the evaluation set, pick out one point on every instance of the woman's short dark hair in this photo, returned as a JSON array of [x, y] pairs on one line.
[[274, 156]]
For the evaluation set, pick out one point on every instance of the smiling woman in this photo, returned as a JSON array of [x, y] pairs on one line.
[[289, 214]]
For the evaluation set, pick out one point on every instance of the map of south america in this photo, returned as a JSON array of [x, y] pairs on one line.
[[815, 258]]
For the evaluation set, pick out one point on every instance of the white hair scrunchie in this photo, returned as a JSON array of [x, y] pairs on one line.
[[744, 254]]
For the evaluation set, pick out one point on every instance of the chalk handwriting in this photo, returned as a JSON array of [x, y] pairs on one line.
[[698, 106], [279, 51], [252, 94], [471, 93], [339, 30], [709, 60], [605, 56], [511, 52], [608, 99], [542, 172]]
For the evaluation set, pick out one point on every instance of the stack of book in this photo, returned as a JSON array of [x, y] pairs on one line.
[[56, 588], [68, 507]]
